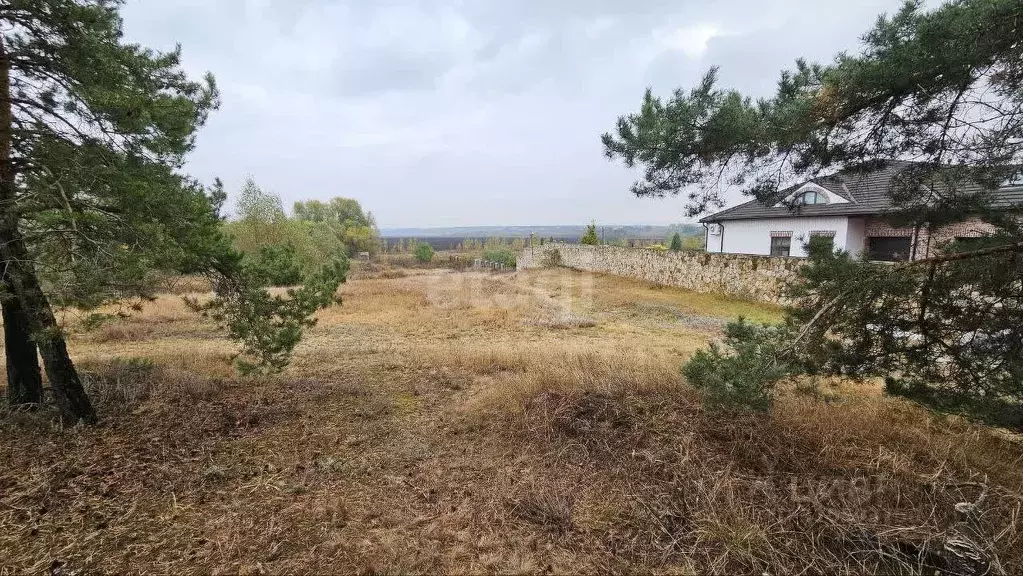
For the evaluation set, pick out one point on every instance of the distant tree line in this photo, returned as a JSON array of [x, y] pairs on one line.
[[281, 249], [676, 242]]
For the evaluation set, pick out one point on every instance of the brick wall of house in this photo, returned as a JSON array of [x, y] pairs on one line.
[[876, 227], [927, 242]]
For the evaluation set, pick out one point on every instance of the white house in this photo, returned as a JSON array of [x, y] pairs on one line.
[[850, 208]]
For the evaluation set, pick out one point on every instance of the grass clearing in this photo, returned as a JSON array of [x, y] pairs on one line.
[[470, 422]]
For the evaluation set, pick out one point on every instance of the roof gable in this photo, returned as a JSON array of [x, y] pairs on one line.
[[832, 197]]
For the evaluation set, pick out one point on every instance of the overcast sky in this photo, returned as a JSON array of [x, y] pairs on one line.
[[468, 112]]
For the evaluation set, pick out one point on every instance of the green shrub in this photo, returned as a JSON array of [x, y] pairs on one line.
[[590, 238], [423, 252], [657, 247], [501, 256], [695, 242], [741, 373], [275, 265], [676, 243]]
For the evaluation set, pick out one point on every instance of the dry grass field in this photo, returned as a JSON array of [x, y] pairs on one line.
[[534, 422]]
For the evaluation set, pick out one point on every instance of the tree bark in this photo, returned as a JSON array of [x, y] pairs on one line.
[[24, 381], [20, 273], [68, 391]]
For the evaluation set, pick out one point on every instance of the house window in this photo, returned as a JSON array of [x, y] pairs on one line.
[[813, 197], [889, 249], [781, 243]]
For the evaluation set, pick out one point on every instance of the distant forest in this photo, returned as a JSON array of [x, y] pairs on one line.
[[608, 232]]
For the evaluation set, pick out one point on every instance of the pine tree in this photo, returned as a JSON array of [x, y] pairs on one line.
[[93, 132], [940, 89], [590, 237], [676, 243], [73, 97]]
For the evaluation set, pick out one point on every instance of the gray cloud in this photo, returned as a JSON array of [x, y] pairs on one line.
[[460, 112], [385, 71]]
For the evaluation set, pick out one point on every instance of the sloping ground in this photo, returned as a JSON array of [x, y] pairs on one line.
[[525, 423]]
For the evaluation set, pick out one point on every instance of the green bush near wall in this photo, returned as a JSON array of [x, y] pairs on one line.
[[501, 256]]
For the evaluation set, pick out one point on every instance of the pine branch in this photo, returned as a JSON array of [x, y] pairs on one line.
[[956, 256]]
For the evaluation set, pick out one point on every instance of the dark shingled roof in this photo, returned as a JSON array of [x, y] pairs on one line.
[[867, 194]]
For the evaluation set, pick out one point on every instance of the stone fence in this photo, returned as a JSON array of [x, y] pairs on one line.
[[746, 276], [488, 265]]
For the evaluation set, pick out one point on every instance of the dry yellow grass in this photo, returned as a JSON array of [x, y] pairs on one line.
[[469, 422]]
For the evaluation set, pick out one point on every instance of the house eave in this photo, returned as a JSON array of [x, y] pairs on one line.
[[728, 217]]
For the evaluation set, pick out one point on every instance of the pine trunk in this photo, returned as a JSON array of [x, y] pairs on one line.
[[24, 382], [68, 391]]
